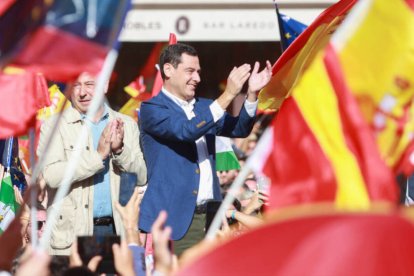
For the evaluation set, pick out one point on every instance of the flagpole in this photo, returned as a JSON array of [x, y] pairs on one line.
[[33, 192], [96, 102], [228, 200], [280, 24], [251, 164]]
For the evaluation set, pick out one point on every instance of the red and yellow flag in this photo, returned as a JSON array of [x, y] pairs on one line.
[[58, 103], [378, 65], [296, 59], [137, 91], [347, 124]]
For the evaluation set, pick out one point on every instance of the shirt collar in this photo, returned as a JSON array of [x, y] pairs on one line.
[[177, 100], [105, 114]]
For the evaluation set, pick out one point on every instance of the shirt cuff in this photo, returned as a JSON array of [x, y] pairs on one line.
[[251, 107], [216, 111]]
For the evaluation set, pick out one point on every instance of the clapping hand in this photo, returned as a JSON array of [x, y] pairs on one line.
[[117, 137], [236, 79], [258, 80]]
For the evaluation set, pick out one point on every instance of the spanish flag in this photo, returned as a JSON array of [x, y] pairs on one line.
[[296, 59], [377, 57], [347, 123]]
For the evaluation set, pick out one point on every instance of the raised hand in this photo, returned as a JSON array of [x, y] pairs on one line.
[[117, 138], [258, 80], [237, 78], [104, 144], [130, 216], [123, 259], [160, 235], [235, 82]]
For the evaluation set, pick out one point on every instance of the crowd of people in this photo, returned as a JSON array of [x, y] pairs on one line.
[[170, 153]]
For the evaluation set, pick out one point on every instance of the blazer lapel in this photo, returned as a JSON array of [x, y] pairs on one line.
[[168, 102]]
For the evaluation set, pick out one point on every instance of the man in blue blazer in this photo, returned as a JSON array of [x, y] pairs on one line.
[[178, 139]]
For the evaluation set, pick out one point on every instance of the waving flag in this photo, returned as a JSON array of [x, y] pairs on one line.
[[138, 94], [226, 159], [346, 127], [381, 78], [8, 204], [58, 102], [73, 37], [22, 93], [294, 61], [289, 28]]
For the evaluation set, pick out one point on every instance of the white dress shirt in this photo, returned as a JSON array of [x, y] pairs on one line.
[[205, 190]]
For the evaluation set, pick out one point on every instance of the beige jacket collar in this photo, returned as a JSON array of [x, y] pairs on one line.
[[71, 115]]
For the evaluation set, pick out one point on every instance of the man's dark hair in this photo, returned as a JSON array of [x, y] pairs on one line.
[[172, 54]]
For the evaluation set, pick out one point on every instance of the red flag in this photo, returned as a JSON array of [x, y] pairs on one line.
[[315, 244], [149, 68], [138, 94], [4, 5], [69, 37], [21, 95], [156, 88], [57, 64]]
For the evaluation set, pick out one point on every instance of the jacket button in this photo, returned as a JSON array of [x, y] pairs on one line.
[[197, 171], [86, 206], [87, 147], [195, 192], [71, 147]]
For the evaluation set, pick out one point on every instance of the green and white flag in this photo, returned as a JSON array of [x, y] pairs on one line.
[[225, 157], [8, 204]]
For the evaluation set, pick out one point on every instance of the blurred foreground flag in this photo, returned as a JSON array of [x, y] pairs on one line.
[[348, 122], [289, 28], [381, 75], [292, 63], [313, 242], [22, 93], [18, 19], [73, 36]]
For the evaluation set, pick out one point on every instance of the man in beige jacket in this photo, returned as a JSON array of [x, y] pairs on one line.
[[112, 147]]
